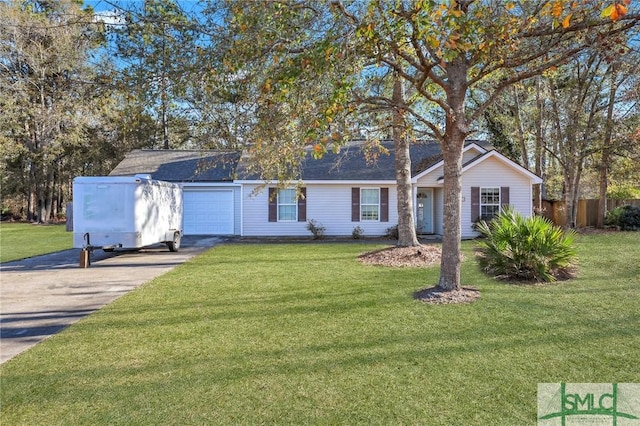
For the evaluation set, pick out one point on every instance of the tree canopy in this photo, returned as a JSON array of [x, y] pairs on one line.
[[455, 57]]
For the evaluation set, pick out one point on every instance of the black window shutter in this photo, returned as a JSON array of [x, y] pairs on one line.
[[504, 196], [384, 204], [302, 205], [475, 204], [273, 205], [355, 204]]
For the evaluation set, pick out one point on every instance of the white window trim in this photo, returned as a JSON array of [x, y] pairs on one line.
[[499, 204], [362, 219], [278, 204]]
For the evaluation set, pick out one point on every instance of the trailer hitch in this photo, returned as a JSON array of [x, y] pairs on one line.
[[85, 253]]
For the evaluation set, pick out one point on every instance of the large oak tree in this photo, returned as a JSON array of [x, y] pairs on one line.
[[443, 50]]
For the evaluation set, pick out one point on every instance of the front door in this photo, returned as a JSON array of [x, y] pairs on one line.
[[424, 220]]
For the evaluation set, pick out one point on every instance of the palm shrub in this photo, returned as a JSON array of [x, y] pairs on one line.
[[525, 248]]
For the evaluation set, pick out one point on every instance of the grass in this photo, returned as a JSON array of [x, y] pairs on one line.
[[22, 240], [304, 334]]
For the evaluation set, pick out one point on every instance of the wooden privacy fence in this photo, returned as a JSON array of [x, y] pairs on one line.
[[587, 211]]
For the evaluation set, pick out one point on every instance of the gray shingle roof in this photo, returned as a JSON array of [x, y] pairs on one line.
[[351, 163], [223, 166], [180, 166]]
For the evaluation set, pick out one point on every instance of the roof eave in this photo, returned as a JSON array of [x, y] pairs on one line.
[[317, 182]]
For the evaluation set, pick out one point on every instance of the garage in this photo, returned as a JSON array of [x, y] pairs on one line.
[[208, 212]]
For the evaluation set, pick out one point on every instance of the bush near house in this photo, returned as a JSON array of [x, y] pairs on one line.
[[525, 248], [627, 218], [316, 229], [392, 232], [357, 233]]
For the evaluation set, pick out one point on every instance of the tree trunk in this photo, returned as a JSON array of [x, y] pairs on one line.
[[524, 154], [41, 204], [406, 225], [163, 118], [455, 135], [606, 153], [571, 194], [31, 196], [49, 194], [452, 231], [539, 148], [163, 94], [602, 201]]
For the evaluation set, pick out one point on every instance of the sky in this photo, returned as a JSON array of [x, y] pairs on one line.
[[102, 6]]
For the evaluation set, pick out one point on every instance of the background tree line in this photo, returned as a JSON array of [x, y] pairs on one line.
[[80, 89]]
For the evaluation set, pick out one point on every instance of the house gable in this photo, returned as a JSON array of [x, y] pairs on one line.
[[470, 150], [535, 179], [493, 173]]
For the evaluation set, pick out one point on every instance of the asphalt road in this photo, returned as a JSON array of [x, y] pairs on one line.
[[42, 295]]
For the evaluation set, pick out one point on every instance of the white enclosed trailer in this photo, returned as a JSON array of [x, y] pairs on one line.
[[126, 212]]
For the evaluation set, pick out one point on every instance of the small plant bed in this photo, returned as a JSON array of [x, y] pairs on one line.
[[438, 296], [418, 256]]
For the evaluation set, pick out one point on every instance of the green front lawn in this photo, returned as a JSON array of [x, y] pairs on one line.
[[22, 240], [304, 334]]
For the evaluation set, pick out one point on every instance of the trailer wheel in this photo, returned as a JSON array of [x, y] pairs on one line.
[[175, 244]]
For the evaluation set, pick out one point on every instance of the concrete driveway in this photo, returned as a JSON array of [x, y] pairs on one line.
[[42, 295]]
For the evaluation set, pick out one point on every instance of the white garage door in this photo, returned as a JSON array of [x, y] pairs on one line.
[[208, 212]]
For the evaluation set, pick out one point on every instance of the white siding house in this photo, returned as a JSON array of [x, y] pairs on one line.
[[325, 204], [221, 200]]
